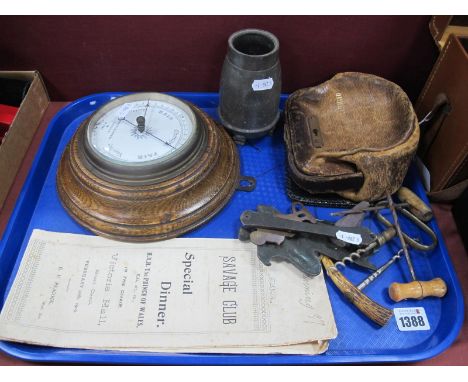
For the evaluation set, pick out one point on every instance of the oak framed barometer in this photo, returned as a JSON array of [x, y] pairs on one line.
[[146, 167]]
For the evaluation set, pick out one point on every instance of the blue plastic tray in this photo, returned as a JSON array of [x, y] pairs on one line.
[[359, 341]]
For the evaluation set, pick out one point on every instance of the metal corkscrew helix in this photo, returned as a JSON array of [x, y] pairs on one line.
[[377, 313], [380, 240], [351, 258]]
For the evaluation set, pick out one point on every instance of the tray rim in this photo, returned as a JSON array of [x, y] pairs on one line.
[[112, 357]]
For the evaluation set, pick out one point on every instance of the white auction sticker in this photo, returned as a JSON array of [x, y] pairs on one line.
[[349, 237], [409, 319], [265, 84]]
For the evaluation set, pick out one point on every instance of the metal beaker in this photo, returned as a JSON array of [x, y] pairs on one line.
[[250, 85]]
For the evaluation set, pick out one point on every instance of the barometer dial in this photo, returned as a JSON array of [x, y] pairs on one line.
[[142, 136], [141, 131]]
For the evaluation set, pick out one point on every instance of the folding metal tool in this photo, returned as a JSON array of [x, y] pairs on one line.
[[301, 239]]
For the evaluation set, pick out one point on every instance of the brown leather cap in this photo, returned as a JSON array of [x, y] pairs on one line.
[[354, 135]]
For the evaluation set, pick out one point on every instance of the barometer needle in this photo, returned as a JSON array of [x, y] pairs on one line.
[[154, 136], [126, 120], [146, 108], [147, 132]]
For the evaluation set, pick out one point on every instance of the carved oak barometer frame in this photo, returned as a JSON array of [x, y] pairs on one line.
[[146, 167]]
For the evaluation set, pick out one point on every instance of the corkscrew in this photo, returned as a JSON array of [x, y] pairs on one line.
[[397, 291], [379, 240], [376, 312], [300, 238]]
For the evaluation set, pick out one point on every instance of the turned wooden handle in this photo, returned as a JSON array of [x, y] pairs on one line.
[[416, 206], [417, 289], [370, 308]]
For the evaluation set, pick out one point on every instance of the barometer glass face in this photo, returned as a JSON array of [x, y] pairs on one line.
[[141, 131], [142, 135]]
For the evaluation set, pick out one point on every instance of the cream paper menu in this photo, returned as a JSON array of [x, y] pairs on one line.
[[196, 295]]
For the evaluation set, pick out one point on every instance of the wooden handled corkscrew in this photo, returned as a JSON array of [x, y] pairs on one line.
[[397, 291], [415, 289]]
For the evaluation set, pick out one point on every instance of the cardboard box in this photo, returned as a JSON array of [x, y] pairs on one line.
[[23, 128]]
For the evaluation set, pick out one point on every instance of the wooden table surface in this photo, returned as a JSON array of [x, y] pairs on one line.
[[457, 354]]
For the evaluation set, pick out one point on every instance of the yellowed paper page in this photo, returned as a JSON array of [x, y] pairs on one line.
[[182, 294]]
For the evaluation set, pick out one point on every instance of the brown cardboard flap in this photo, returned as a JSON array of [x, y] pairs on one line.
[[447, 155], [437, 26], [21, 131], [442, 27]]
